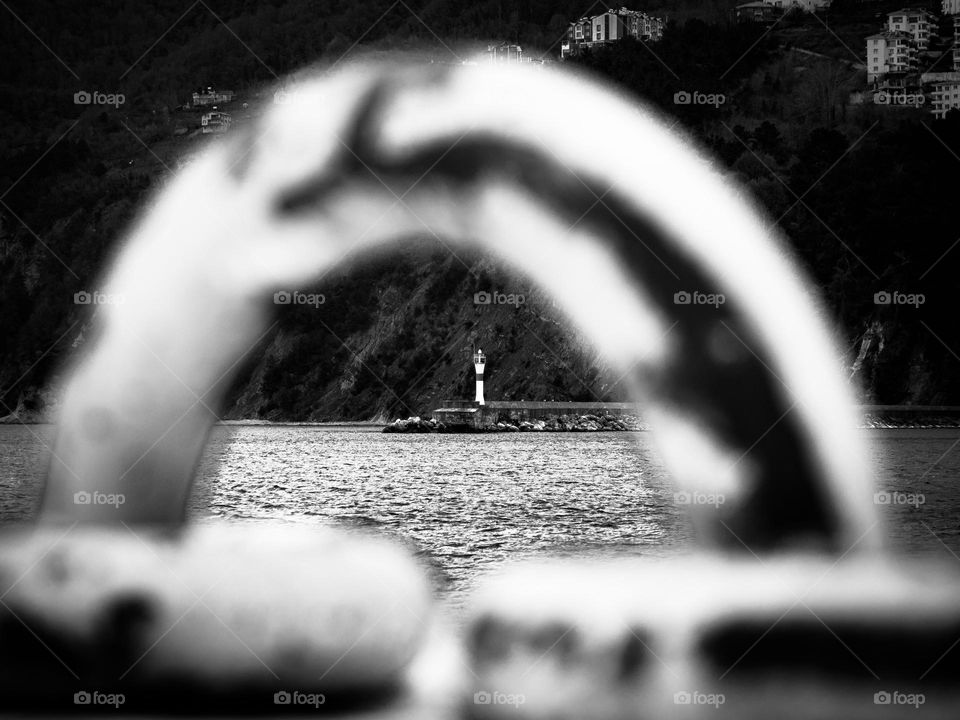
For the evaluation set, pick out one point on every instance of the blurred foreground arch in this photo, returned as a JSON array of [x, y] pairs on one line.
[[627, 227]]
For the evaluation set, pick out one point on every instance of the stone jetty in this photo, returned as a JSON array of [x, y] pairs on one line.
[[560, 423]]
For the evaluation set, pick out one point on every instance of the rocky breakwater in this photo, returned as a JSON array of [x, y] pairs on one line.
[[415, 425], [575, 423], [559, 423]]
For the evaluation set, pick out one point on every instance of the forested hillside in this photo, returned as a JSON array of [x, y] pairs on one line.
[[863, 193]]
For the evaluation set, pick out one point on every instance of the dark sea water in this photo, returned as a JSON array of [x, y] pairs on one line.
[[466, 503]]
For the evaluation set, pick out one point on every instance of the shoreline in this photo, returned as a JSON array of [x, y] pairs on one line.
[[872, 417]]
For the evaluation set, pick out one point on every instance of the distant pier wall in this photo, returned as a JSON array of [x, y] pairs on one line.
[[468, 414]]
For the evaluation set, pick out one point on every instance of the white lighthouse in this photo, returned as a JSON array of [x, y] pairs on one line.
[[479, 361]]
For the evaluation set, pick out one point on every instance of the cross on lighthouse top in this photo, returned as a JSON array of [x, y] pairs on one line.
[[479, 358]]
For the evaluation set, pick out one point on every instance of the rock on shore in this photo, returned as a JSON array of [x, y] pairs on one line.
[[415, 425]]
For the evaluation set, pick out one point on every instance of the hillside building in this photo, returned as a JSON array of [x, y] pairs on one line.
[[805, 5], [944, 96], [956, 42], [890, 54], [758, 11], [611, 26], [607, 27], [215, 122], [942, 92], [211, 96], [504, 53], [916, 22], [648, 28]]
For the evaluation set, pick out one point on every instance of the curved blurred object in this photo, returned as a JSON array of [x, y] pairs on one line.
[[797, 637], [219, 619], [617, 217]]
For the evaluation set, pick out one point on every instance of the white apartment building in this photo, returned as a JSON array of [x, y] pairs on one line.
[[943, 91], [916, 22], [889, 53], [215, 121], [950, 7], [581, 30], [944, 96], [642, 26], [609, 26], [956, 42], [210, 96], [504, 53]]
